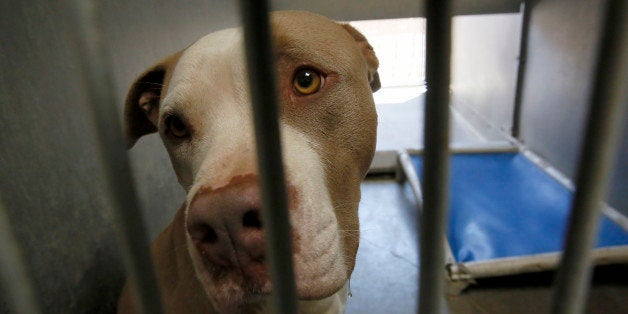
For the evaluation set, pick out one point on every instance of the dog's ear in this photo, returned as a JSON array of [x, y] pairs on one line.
[[369, 54], [141, 108]]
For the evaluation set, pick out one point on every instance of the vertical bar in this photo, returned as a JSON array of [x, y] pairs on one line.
[[118, 180], [436, 165], [607, 104], [14, 279], [521, 69], [260, 64]]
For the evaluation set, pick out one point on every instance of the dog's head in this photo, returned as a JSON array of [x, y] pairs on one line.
[[198, 101]]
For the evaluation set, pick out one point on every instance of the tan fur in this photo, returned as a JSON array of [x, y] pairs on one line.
[[328, 139], [369, 55], [154, 80]]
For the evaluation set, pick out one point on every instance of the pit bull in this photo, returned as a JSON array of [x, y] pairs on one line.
[[211, 258]]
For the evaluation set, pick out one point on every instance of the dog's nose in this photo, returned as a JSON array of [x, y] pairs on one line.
[[225, 223]]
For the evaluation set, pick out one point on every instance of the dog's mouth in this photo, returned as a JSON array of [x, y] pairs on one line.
[[244, 279], [244, 269], [233, 274]]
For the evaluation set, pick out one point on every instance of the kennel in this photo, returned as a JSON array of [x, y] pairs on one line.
[[76, 267]]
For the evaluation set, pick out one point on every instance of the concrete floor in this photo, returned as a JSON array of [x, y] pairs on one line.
[[386, 274]]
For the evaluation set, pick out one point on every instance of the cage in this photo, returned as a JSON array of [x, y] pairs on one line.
[[529, 81]]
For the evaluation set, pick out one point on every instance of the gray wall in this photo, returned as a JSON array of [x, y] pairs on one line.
[[618, 191], [561, 54], [140, 33], [50, 177], [485, 51], [378, 9]]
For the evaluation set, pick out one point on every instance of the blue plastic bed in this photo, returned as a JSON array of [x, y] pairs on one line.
[[508, 215]]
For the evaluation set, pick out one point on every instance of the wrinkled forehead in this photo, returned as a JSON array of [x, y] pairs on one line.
[[304, 35], [296, 34], [299, 36]]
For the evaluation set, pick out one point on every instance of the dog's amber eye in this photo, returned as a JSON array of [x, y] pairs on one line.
[[175, 126], [307, 82]]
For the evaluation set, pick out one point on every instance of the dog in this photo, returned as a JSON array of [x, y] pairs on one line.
[[211, 258]]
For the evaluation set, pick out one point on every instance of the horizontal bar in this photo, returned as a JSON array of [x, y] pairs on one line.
[[536, 263], [14, 279], [607, 105], [615, 216], [386, 161], [119, 187], [260, 64], [484, 148], [436, 157]]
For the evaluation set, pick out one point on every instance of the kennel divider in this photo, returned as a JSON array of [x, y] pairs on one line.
[[600, 145]]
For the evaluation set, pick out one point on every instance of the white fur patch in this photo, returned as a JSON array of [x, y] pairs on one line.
[[320, 260], [209, 89]]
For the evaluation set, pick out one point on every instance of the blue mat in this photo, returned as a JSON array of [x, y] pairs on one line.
[[503, 205]]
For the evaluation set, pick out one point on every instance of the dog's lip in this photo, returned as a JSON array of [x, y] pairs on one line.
[[251, 273], [254, 278]]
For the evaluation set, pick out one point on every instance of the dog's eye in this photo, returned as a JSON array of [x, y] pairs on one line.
[[175, 126], [307, 82]]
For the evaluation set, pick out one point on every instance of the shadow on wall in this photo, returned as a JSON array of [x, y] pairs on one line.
[[561, 58], [51, 176]]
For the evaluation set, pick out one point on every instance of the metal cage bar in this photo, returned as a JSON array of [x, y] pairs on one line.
[[14, 278], [260, 64], [607, 104], [436, 167], [118, 180], [526, 11]]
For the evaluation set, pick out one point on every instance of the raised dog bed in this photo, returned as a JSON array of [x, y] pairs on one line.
[[507, 221]]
